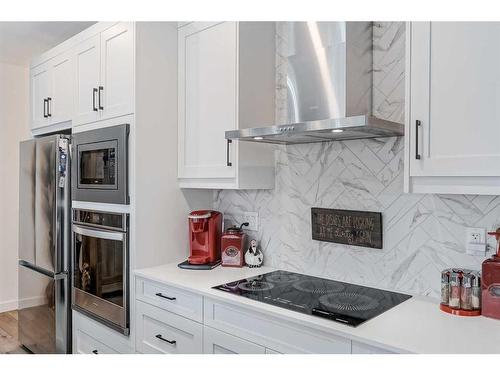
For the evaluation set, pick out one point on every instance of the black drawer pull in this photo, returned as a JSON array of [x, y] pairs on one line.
[[48, 107], [94, 92], [171, 342], [228, 162], [417, 126], [95, 351], [166, 297], [45, 102], [100, 92]]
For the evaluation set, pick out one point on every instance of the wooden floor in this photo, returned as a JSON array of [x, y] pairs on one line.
[[8, 334]]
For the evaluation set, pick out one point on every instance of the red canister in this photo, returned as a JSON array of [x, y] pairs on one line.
[[233, 247]]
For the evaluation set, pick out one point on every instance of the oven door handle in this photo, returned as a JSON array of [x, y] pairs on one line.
[[116, 236]]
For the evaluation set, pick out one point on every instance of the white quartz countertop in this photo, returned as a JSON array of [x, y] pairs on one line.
[[415, 326]]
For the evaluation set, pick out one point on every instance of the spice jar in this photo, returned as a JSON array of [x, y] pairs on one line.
[[476, 291], [445, 287], [466, 292], [454, 301]]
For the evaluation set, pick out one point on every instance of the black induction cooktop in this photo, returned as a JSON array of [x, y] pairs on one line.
[[345, 303]]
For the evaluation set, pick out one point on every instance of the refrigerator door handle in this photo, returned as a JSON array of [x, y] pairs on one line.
[[36, 268], [61, 275]]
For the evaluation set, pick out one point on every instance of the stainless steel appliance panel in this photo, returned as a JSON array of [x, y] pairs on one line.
[[100, 165], [45, 203], [44, 322], [27, 165], [100, 267], [44, 245]]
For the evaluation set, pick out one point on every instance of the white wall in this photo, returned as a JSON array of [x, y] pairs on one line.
[[14, 98]]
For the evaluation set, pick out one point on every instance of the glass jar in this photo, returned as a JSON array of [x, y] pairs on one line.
[[476, 291], [454, 301], [466, 292], [445, 287]]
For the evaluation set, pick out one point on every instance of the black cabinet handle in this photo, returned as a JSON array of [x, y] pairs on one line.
[[45, 108], [228, 163], [94, 92], [417, 126], [100, 92], [49, 99], [171, 342], [95, 351], [166, 297]]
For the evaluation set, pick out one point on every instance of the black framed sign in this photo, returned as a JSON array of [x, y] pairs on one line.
[[357, 228]]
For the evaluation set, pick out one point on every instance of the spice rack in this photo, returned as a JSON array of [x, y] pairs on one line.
[[461, 292]]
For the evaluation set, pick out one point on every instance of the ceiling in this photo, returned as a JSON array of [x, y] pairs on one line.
[[21, 41]]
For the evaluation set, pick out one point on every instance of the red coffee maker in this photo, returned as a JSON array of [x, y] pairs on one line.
[[490, 283], [205, 229]]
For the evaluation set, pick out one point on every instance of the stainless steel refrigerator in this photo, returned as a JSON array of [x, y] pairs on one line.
[[45, 245]]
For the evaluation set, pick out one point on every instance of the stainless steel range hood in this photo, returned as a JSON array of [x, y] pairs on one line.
[[324, 84]]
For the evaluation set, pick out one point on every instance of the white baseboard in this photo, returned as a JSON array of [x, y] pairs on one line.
[[8, 305], [25, 303], [31, 301]]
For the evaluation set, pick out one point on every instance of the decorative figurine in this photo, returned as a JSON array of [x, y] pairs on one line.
[[253, 256]]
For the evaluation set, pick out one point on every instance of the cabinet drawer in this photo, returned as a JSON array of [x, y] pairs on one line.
[[178, 301], [159, 331], [273, 333], [217, 342], [86, 344], [89, 335]]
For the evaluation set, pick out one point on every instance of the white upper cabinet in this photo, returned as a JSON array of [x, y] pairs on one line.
[[207, 61], [52, 91], [213, 81], [61, 101], [40, 92], [117, 70], [85, 79], [105, 75], [453, 111], [87, 61]]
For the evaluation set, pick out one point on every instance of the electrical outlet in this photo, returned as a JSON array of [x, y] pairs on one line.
[[475, 241], [253, 220]]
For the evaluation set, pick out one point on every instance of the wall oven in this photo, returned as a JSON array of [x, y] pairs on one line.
[[100, 165], [100, 281]]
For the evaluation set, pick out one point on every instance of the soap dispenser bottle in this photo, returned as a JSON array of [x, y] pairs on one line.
[[490, 282]]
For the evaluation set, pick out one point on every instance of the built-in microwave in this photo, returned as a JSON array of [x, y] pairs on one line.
[[100, 165]]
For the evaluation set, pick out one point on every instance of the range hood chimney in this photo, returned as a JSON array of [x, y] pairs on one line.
[[327, 72]]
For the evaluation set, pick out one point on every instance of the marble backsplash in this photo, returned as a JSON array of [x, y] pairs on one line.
[[423, 234]]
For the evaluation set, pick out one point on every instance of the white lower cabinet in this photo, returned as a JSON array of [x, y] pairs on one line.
[[270, 332], [218, 342], [91, 337], [189, 323], [162, 332], [86, 344]]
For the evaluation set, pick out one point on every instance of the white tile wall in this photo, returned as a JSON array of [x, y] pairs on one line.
[[423, 234]]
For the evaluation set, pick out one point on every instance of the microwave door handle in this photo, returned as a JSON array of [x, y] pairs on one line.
[[115, 236]]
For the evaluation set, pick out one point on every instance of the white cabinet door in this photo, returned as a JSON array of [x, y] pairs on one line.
[[40, 92], [208, 97], [87, 78], [86, 344], [217, 342], [160, 331], [61, 101], [117, 70], [455, 96]]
